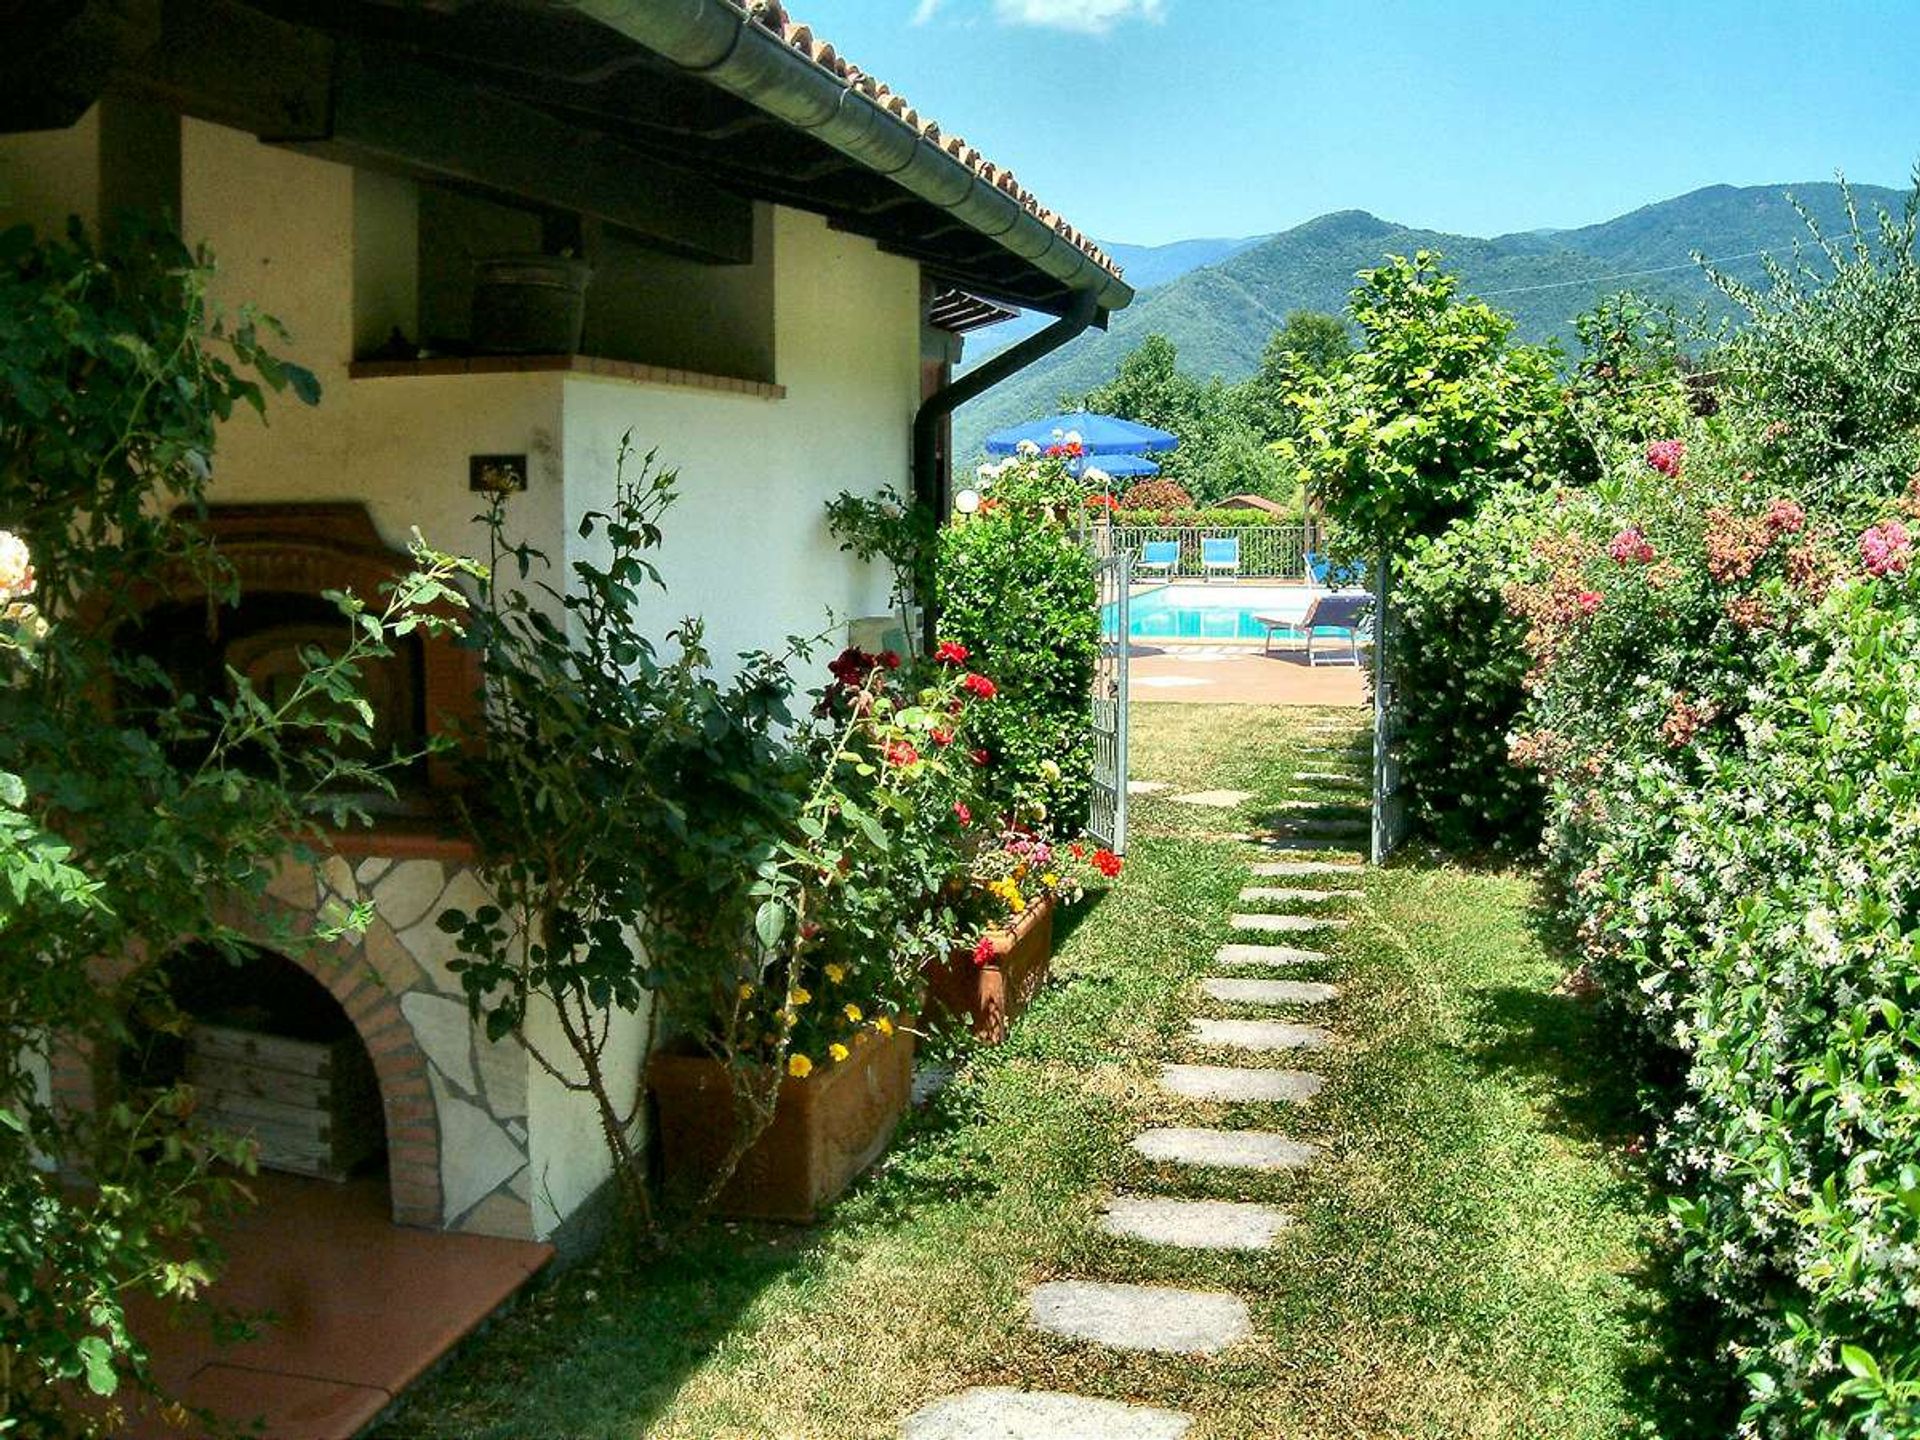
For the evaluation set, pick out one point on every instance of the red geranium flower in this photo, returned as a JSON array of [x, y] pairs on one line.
[[1107, 863], [984, 952], [889, 658], [980, 685], [981, 757], [962, 813], [899, 752], [950, 652], [1589, 601], [1666, 455]]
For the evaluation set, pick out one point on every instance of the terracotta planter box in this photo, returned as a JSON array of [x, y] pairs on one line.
[[992, 996], [826, 1128]]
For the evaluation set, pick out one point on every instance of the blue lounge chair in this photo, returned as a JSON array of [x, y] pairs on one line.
[[1220, 555], [1161, 556], [1350, 615]]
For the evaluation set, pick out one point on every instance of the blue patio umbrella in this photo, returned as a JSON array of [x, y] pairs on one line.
[[1123, 467], [1099, 435]]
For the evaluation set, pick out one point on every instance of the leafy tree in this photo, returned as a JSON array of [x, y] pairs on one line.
[[1437, 410]]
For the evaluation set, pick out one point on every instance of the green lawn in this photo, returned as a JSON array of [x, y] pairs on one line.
[[1473, 1258]]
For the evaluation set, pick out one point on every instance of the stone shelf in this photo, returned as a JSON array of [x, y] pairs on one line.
[[631, 370]]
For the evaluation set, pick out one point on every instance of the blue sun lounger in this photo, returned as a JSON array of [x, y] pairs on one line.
[[1161, 556], [1220, 555]]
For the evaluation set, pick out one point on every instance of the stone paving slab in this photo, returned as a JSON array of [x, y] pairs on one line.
[[1287, 895], [1194, 1224], [1349, 808], [1142, 1317], [1310, 825], [994, 1412], [1214, 799], [1273, 956], [1260, 1034], [1338, 778], [1225, 1149], [1240, 1083], [1270, 992], [1281, 869], [1297, 843], [1286, 924], [1147, 787]]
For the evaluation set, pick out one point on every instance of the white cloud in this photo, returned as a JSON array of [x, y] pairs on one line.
[[1089, 17], [925, 11]]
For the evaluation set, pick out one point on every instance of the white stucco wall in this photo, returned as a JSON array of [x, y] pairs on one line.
[[746, 544], [47, 175]]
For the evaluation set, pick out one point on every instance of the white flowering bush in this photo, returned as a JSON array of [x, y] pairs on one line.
[[1726, 709]]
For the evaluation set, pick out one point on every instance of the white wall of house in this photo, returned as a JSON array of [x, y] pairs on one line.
[[334, 255]]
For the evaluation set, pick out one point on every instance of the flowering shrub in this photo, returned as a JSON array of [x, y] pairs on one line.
[[1017, 597], [1156, 495], [1724, 679]]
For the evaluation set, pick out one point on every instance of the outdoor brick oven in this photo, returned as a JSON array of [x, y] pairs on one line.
[[455, 1105]]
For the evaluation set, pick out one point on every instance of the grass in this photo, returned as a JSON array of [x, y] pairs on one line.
[[1473, 1258]]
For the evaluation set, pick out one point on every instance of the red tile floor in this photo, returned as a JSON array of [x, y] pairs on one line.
[[362, 1306]]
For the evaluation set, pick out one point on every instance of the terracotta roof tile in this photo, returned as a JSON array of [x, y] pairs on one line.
[[772, 15]]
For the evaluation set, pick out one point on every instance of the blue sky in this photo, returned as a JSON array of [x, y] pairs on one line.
[[1156, 120]]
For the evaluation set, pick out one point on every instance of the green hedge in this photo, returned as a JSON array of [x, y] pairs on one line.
[[1207, 519], [1018, 590]]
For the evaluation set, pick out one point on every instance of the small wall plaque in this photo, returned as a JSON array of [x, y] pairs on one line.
[[497, 474]]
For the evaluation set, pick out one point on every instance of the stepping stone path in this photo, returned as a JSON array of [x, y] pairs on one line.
[[1279, 869], [1274, 956], [1164, 1319], [1142, 1317], [997, 1413], [1282, 895], [1240, 1083], [1260, 1035], [1215, 799], [1270, 992], [1194, 1224], [1286, 924], [1225, 1149]]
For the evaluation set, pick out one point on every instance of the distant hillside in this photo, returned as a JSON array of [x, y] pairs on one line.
[[1220, 314], [1146, 266]]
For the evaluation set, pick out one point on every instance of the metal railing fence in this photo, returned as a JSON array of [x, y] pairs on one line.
[[1267, 552]]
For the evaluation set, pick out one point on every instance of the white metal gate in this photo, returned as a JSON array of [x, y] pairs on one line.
[[1107, 822], [1389, 804]]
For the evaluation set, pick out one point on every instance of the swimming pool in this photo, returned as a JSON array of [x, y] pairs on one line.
[[1214, 612]]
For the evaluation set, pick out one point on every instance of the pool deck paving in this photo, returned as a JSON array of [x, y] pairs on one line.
[[1239, 675]]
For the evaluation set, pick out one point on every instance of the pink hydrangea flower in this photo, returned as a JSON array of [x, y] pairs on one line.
[[1631, 547], [1886, 548], [1666, 455]]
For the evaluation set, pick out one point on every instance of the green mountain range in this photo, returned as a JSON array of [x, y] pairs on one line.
[[1220, 311]]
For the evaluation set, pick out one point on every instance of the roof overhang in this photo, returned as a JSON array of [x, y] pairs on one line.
[[661, 116]]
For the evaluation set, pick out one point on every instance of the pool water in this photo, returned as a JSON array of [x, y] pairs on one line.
[[1214, 612]]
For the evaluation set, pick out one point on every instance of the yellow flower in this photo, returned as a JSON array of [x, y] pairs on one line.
[[883, 1025], [853, 1014], [1050, 879], [838, 1052], [836, 973], [797, 996], [799, 1066], [746, 992]]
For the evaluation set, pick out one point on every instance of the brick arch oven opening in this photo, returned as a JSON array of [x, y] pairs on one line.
[[450, 1107]]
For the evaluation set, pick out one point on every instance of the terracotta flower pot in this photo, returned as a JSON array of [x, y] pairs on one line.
[[826, 1128], [992, 996]]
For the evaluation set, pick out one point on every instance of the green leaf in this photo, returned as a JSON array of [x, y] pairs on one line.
[[97, 1356], [770, 923]]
